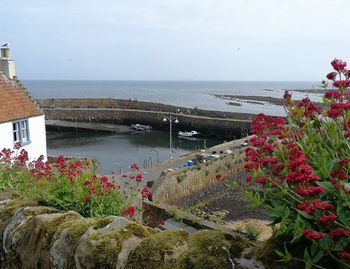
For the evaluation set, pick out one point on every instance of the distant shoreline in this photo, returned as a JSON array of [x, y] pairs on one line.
[[237, 100]]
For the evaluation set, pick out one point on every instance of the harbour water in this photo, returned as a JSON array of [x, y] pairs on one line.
[[115, 153]]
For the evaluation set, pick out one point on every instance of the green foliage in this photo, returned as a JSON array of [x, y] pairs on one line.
[[300, 170], [64, 184], [253, 232]]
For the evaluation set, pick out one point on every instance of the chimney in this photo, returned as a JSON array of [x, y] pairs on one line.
[[7, 65]]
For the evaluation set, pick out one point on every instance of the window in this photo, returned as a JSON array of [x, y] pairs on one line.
[[21, 132]]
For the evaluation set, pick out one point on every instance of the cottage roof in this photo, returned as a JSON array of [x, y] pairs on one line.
[[15, 102]]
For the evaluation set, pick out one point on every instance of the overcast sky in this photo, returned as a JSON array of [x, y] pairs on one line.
[[176, 39]]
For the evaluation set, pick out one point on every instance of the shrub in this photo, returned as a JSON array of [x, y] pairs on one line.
[[300, 171], [70, 184]]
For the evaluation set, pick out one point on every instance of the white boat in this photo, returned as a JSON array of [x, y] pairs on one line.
[[188, 134], [140, 127], [189, 138]]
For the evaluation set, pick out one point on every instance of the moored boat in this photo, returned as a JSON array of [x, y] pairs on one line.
[[188, 134], [141, 127]]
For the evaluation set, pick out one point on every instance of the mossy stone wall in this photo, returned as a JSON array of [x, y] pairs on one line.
[[33, 235]]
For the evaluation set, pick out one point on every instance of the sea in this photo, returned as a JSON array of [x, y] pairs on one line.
[[116, 152], [179, 93]]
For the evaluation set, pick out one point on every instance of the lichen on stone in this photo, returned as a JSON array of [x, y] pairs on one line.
[[50, 227], [9, 210], [108, 245], [211, 249], [77, 227], [159, 251]]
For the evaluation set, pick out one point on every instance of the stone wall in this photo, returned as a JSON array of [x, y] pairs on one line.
[[33, 235], [227, 125], [140, 105]]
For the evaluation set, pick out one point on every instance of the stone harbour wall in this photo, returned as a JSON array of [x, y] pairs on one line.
[[211, 123], [140, 105], [208, 126], [33, 235]]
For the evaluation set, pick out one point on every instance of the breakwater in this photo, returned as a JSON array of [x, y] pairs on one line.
[[117, 111]]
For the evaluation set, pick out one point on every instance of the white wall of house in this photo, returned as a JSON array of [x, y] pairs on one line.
[[37, 137]]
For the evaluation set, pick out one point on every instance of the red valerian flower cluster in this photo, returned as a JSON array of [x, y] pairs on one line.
[[302, 163], [130, 211], [72, 184], [312, 234]]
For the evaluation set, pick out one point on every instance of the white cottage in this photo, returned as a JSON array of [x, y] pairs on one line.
[[21, 120]]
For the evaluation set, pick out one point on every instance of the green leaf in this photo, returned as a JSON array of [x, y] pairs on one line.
[[299, 229], [326, 185], [307, 259], [341, 244], [330, 165], [305, 215], [318, 256], [325, 242], [344, 215], [286, 256], [313, 249], [308, 264]]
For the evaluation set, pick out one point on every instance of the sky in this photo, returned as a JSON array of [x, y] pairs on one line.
[[244, 40]]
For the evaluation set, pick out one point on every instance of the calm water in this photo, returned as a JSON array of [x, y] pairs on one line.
[[180, 93], [117, 152]]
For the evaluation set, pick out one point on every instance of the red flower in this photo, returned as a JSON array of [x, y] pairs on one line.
[[139, 177], [309, 107], [337, 233], [332, 75], [92, 189], [161, 222], [332, 94], [147, 194], [86, 198], [313, 234], [134, 166], [346, 73], [325, 219], [338, 65], [341, 83], [18, 145], [261, 180], [347, 134], [104, 179], [344, 255], [334, 112], [130, 211]]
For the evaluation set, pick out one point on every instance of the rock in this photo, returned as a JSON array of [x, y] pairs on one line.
[[212, 249], [33, 250], [11, 207], [16, 227], [102, 248], [66, 241], [127, 247], [159, 250]]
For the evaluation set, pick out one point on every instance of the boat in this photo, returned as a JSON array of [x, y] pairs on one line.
[[188, 134], [189, 138], [141, 127]]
